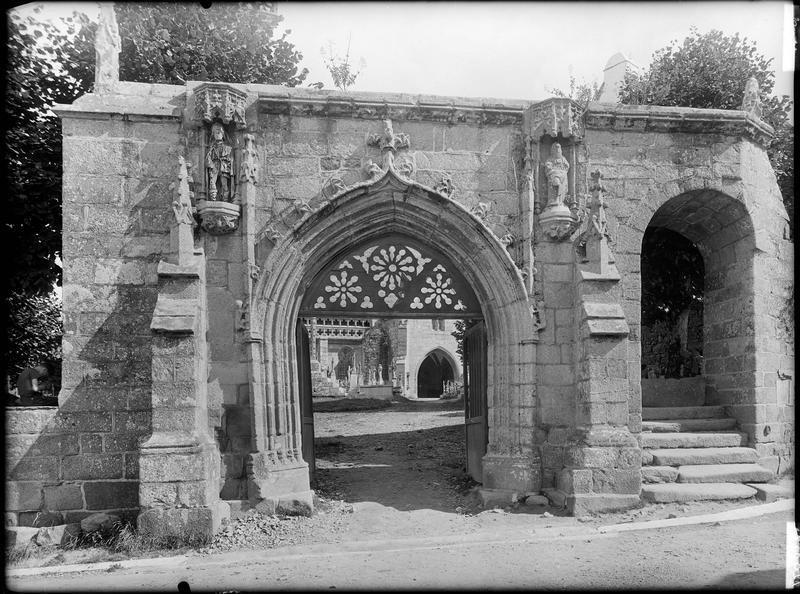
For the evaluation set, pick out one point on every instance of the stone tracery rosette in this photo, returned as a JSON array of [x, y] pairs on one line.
[[393, 275]]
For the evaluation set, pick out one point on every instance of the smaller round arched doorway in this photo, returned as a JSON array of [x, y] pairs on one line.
[[434, 371]]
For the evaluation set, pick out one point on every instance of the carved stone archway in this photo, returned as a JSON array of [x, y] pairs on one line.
[[437, 354], [369, 211]]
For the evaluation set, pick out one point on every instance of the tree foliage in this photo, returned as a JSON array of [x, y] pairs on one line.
[[673, 275], [709, 70], [673, 281], [32, 216], [35, 332], [48, 64], [170, 43]]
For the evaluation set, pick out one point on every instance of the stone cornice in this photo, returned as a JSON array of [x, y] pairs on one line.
[[653, 118], [452, 110]]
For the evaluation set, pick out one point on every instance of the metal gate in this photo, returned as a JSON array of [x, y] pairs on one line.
[[475, 388], [306, 402]]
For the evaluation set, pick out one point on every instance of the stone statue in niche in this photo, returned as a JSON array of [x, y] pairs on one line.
[[556, 168], [219, 163]]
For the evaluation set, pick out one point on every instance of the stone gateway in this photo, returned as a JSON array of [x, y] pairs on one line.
[[201, 222]]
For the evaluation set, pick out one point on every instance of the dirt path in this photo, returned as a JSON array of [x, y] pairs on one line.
[[409, 456]]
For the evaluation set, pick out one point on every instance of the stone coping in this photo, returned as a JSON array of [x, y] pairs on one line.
[[159, 100], [129, 99], [657, 118]]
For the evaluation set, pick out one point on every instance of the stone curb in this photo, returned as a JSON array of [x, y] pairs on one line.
[[504, 537], [733, 514]]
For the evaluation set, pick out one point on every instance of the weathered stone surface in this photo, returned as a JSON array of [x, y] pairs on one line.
[[693, 440], [39, 519], [34, 469], [23, 496], [673, 392], [688, 456], [19, 537], [534, 499], [768, 493], [652, 413], [98, 521], [111, 494], [659, 474], [91, 467], [689, 425], [724, 473], [63, 497], [676, 492], [491, 498], [62, 534]]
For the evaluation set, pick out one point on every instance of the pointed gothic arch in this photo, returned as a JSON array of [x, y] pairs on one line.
[[368, 211]]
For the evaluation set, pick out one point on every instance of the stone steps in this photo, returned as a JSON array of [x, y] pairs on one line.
[[694, 456], [708, 439], [724, 473], [654, 413], [689, 425], [694, 453], [678, 492], [707, 473]]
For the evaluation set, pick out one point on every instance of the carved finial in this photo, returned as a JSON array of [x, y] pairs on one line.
[[182, 206], [751, 102], [597, 210], [107, 45], [389, 142], [249, 170]]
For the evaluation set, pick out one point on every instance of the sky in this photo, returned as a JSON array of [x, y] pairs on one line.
[[509, 50]]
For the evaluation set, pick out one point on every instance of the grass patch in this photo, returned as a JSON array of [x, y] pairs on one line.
[[123, 538]]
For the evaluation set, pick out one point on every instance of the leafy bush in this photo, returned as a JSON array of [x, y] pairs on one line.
[[33, 336]]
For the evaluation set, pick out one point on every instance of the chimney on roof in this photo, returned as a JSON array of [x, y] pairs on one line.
[[614, 75]]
